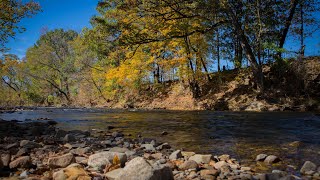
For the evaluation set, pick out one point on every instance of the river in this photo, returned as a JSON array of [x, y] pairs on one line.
[[292, 136]]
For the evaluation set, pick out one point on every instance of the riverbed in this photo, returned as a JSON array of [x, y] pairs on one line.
[[292, 136]]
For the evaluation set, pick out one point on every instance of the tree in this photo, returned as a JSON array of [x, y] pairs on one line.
[[11, 13]]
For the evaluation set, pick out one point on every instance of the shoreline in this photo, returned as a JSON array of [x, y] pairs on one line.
[[38, 150]]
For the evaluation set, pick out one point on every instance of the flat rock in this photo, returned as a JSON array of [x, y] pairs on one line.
[[101, 159], [308, 166], [138, 168], [190, 164], [21, 162], [201, 158], [113, 175], [261, 157], [175, 155], [271, 159], [61, 161]]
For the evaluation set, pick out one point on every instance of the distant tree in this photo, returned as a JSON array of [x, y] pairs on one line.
[[11, 13]]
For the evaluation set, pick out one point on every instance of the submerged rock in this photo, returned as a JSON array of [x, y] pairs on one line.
[[308, 166]]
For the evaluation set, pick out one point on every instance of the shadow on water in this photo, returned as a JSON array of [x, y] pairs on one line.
[[294, 137]]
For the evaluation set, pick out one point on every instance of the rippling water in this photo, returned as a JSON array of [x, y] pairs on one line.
[[295, 137]]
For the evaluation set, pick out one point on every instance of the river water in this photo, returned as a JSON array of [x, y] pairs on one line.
[[292, 136]]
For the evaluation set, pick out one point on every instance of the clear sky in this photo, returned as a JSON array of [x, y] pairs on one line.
[[67, 14], [76, 14]]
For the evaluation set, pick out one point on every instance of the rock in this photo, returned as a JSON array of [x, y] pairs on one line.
[[157, 155], [13, 145], [24, 174], [190, 164], [148, 147], [29, 144], [308, 166], [261, 157], [163, 146], [244, 176], [220, 164], [281, 173], [138, 168], [175, 155], [81, 151], [5, 159], [187, 154], [224, 157], [200, 158], [245, 168], [22, 152], [74, 171], [271, 159], [69, 138], [112, 175], [101, 159], [61, 161], [164, 133], [61, 133], [117, 134], [119, 149], [21, 162], [81, 160], [211, 172]]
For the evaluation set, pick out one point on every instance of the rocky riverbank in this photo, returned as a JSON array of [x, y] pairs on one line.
[[39, 150]]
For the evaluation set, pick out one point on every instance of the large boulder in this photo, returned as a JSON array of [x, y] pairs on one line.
[[201, 158], [21, 162], [139, 168], [308, 166], [73, 171], [101, 159], [61, 161]]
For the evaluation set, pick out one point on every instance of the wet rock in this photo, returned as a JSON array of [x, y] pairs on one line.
[[201, 158], [101, 159], [21, 162], [163, 146], [61, 161], [211, 172], [308, 166], [69, 138], [138, 168], [148, 147], [74, 171], [113, 175], [5, 159], [261, 157], [220, 164], [190, 164], [29, 144], [271, 159], [175, 155], [117, 134]]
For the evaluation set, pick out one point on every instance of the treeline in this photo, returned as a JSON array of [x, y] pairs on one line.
[[133, 43]]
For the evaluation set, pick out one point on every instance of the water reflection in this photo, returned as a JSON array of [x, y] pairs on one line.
[[294, 137]]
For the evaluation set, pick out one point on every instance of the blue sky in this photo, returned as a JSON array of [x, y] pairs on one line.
[[67, 14], [76, 14]]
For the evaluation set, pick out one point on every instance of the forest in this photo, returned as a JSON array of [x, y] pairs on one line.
[[137, 50]]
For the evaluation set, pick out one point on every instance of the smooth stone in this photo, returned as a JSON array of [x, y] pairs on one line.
[[101, 159], [69, 138], [5, 159], [113, 175], [148, 147], [220, 164], [308, 166], [261, 157], [271, 159], [61, 161], [138, 168], [21, 162], [29, 144], [175, 155], [201, 158], [190, 164]]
